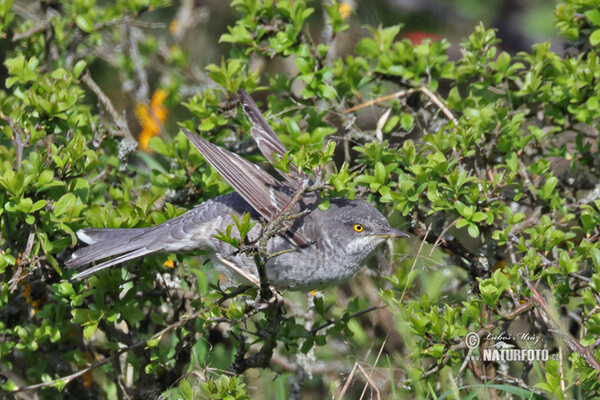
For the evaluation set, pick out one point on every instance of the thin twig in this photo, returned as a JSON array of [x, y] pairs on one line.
[[18, 276], [512, 380], [375, 363], [142, 92], [122, 128], [440, 105], [370, 381], [463, 365], [348, 381], [334, 321], [441, 236], [403, 93], [36, 29]]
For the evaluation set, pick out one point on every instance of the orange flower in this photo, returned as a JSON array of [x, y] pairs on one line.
[[36, 301], [174, 27], [151, 117], [345, 10]]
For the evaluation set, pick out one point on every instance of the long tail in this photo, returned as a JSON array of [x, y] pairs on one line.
[[127, 244]]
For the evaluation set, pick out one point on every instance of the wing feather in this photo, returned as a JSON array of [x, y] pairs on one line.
[[267, 141], [263, 192]]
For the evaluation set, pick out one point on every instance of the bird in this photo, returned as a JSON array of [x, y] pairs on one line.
[[321, 247]]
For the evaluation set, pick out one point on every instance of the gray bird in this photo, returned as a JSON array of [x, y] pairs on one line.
[[320, 248]]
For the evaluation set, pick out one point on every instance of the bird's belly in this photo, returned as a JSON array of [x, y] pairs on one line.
[[301, 270]]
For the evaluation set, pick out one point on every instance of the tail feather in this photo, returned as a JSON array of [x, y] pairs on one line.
[[117, 260], [96, 235], [104, 243]]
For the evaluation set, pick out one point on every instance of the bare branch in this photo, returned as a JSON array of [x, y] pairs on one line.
[[122, 128]]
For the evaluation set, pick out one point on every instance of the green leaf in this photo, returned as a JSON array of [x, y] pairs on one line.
[[461, 222], [473, 230], [38, 205], [89, 329], [593, 16], [153, 342], [407, 121], [64, 204], [79, 67], [595, 37], [479, 216], [85, 23]]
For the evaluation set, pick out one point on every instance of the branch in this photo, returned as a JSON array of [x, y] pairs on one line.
[[36, 29], [122, 128], [272, 325], [403, 93], [330, 322]]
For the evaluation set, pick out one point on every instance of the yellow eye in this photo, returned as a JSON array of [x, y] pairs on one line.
[[358, 227]]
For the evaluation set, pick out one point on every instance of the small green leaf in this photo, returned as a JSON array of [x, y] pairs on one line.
[[595, 37], [473, 230], [79, 67], [153, 342], [65, 203], [85, 23], [407, 121]]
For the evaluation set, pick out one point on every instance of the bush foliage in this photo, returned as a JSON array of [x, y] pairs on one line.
[[490, 161]]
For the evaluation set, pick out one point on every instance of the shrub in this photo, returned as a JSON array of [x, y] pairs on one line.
[[490, 160]]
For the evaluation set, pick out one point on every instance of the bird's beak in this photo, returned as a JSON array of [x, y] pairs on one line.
[[395, 234]]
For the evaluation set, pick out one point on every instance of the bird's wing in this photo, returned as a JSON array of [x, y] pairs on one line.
[[263, 192], [267, 141]]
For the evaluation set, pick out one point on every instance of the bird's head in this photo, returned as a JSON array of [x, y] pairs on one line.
[[356, 227]]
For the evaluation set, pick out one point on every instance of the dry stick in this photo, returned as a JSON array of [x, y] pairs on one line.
[[561, 372], [439, 103], [67, 379], [19, 276], [122, 128], [369, 381], [441, 236], [375, 363], [369, 103], [463, 365], [572, 343], [408, 92], [142, 93], [348, 381]]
